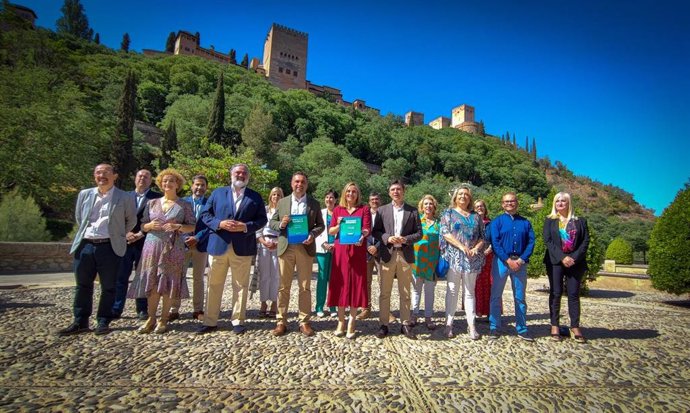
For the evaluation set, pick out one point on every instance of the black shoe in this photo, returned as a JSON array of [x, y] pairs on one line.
[[143, 315], [72, 329], [173, 317], [207, 329], [493, 335], [116, 316], [407, 331], [526, 337], [239, 329], [101, 329], [383, 332]]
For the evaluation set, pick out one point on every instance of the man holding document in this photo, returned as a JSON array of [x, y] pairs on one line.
[[351, 224], [298, 218]]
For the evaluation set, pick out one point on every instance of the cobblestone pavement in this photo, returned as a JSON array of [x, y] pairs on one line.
[[636, 359]]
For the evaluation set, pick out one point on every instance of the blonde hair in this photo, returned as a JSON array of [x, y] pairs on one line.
[[486, 210], [276, 190], [566, 196], [424, 198], [343, 201], [170, 171], [457, 190]]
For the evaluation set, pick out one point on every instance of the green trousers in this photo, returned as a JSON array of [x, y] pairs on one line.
[[324, 260]]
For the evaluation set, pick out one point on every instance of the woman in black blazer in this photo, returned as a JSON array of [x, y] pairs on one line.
[[566, 238]]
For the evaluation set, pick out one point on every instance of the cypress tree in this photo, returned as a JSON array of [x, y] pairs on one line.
[[97, 38], [233, 56], [216, 121], [514, 142], [168, 145], [198, 38], [526, 144], [170, 43], [245, 61], [73, 20], [122, 156], [125, 42], [534, 149]]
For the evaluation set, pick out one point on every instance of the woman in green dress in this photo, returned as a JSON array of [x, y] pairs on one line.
[[426, 252]]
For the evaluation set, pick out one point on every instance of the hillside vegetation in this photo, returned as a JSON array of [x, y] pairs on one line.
[[58, 100]]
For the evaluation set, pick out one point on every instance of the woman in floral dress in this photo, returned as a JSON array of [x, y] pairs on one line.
[[162, 258], [426, 253]]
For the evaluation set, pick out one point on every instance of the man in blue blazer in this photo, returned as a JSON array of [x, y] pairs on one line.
[[104, 214], [141, 195], [232, 214], [199, 259]]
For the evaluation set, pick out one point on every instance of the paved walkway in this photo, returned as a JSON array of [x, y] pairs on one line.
[[637, 359]]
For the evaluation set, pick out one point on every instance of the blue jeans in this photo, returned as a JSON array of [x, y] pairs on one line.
[[89, 260], [129, 260], [500, 273]]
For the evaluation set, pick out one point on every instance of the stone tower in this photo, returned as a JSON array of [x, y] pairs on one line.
[[414, 118], [463, 119], [285, 57]]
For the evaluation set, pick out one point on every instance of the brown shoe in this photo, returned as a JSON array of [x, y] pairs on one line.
[[306, 329], [391, 318], [364, 314], [279, 330]]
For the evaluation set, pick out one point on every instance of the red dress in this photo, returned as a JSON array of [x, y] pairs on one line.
[[348, 283], [482, 291]]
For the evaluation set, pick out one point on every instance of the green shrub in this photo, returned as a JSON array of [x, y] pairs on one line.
[[620, 251], [59, 228], [595, 258], [669, 268], [21, 219]]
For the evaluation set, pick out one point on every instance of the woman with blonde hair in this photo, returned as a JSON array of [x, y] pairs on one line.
[[348, 283], [462, 243], [566, 238], [426, 254], [267, 259], [162, 258]]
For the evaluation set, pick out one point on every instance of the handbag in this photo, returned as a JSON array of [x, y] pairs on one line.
[[442, 267]]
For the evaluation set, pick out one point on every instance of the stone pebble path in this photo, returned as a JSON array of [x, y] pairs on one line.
[[637, 359]]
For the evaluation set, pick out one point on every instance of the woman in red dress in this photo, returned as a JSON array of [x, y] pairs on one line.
[[348, 284], [482, 292]]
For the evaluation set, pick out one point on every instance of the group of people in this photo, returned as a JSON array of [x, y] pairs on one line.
[[159, 234]]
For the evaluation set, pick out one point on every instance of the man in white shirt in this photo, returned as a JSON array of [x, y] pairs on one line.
[[104, 214]]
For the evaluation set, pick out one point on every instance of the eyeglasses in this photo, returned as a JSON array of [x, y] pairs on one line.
[[510, 201]]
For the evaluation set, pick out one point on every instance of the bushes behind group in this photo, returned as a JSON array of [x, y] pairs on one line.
[[21, 219], [620, 251]]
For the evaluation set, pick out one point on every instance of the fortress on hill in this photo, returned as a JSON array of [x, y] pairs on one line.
[[284, 64]]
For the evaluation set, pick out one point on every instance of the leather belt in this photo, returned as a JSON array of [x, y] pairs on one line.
[[97, 241]]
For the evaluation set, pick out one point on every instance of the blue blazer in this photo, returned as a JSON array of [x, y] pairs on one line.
[[200, 233], [220, 206]]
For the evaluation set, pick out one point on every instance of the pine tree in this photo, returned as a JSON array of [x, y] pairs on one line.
[[534, 149], [168, 145], [124, 46], [233, 56], [97, 38], [122, 156], [73, 20], [216, 121], [170, 43], [245, 61]]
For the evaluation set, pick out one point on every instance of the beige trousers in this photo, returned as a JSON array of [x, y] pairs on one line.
[[199, 260], [239, 267], [396, 266], [371, 264], [295, 256]]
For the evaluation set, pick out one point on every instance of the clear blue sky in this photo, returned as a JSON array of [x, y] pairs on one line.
[[603, 86]]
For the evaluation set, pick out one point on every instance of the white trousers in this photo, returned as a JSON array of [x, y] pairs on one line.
[[456, 280]]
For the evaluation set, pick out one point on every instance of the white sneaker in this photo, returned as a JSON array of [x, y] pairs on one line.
[[320, 314]]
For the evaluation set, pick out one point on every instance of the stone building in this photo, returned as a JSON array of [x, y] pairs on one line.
[[463, 119], [24, 13], [188, 44], [414, 118], [440, 123], [285, 57]]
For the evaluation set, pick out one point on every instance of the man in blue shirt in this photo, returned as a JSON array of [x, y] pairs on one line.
[[512, 240]]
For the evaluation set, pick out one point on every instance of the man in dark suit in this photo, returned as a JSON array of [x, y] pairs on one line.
[[373, 259], [135, 243], [298, 255], [232, 214], [397, 228], [104, 214], [198, 258]]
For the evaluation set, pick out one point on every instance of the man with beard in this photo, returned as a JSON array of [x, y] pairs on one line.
[[232, 214]]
